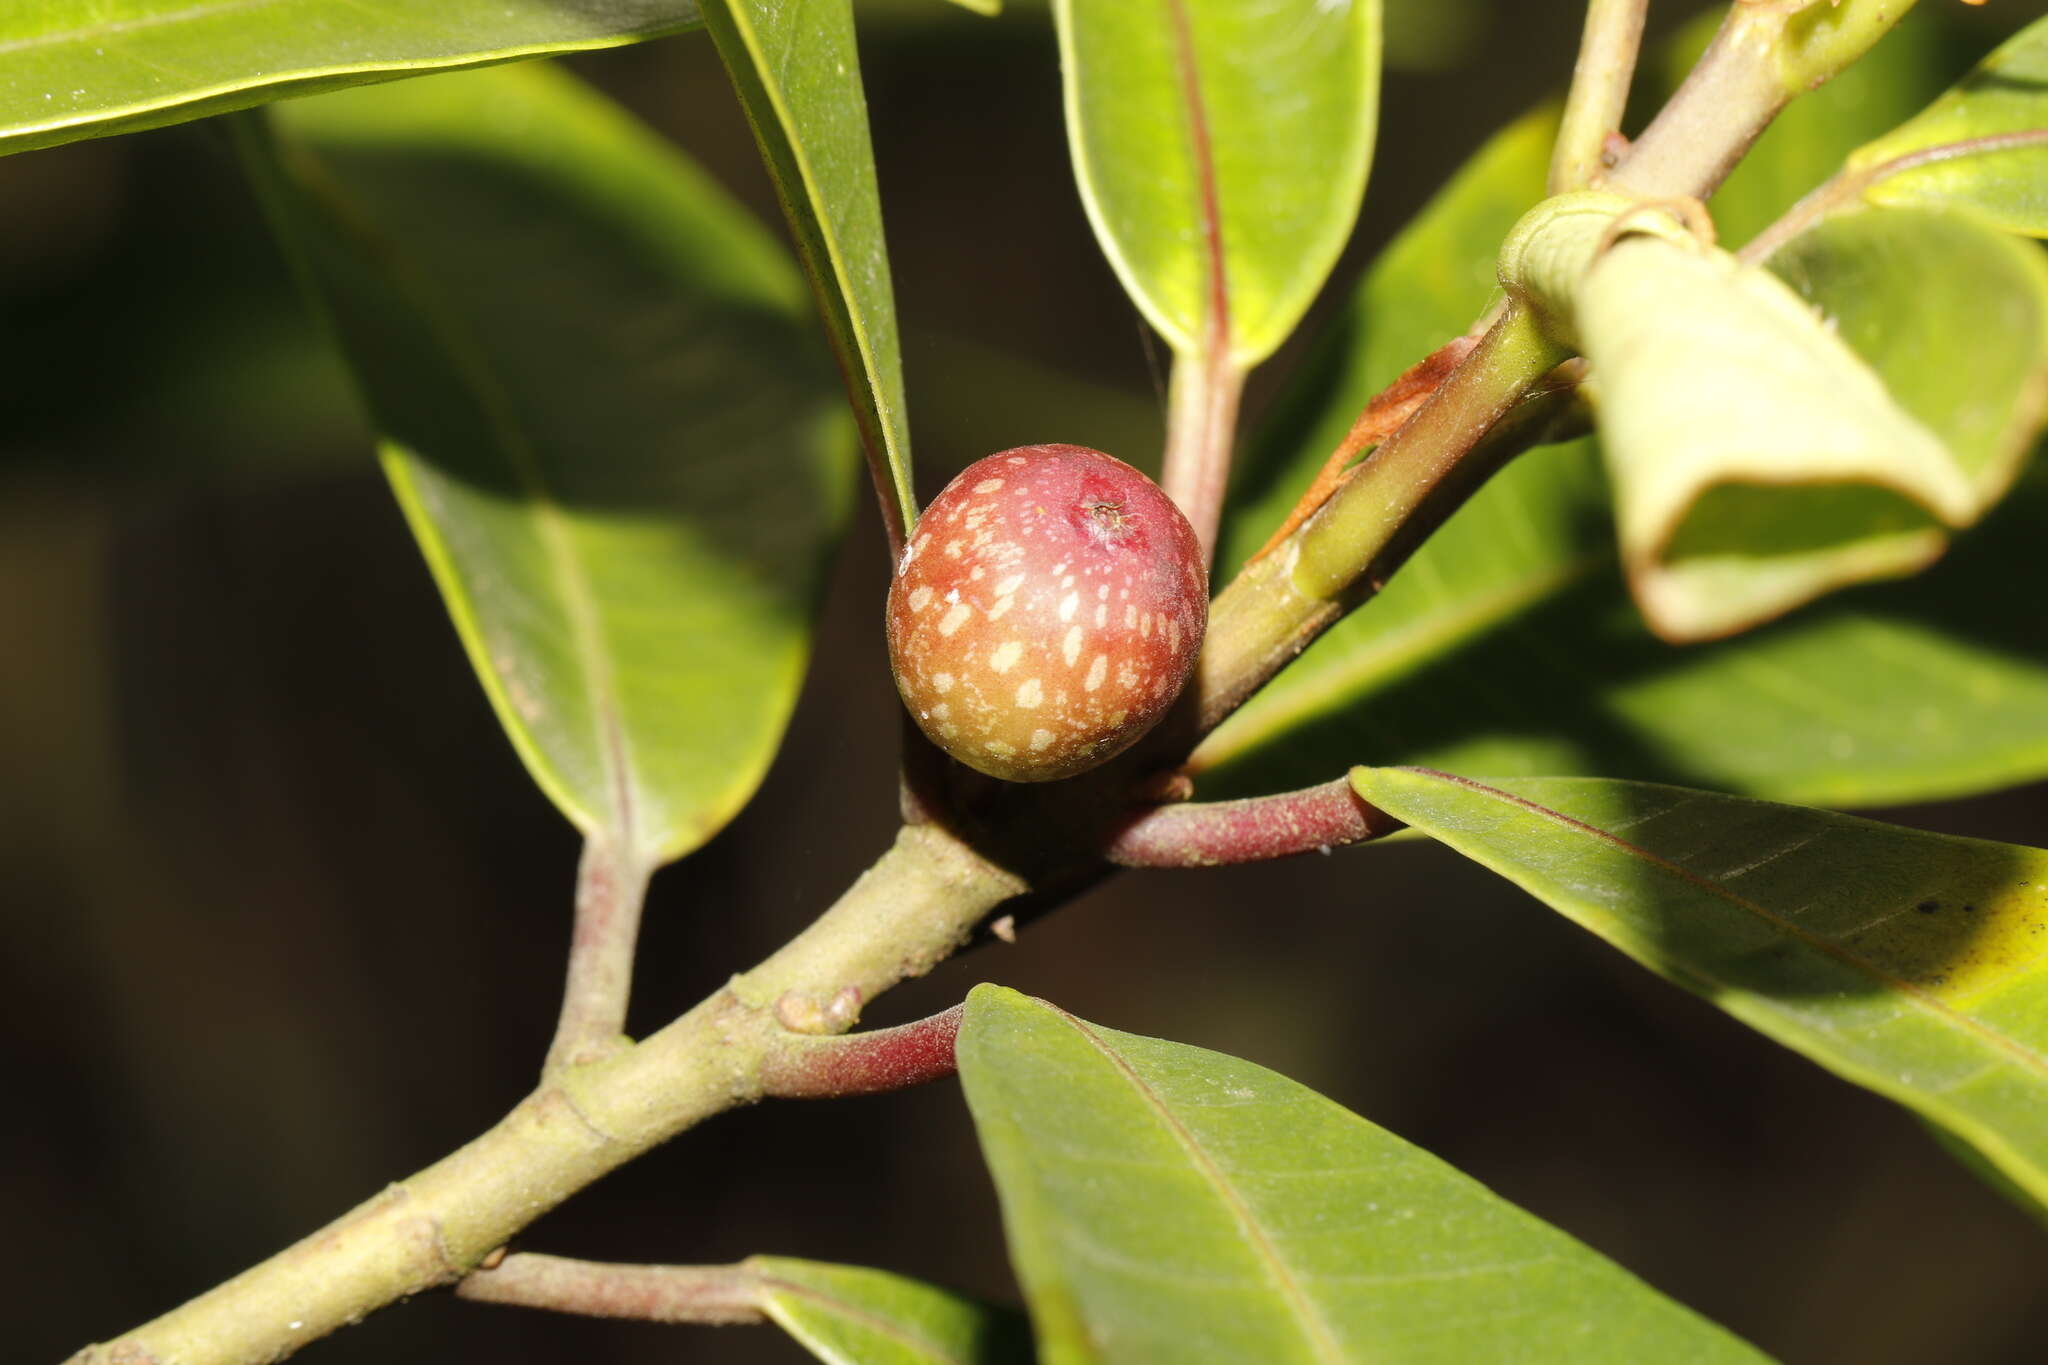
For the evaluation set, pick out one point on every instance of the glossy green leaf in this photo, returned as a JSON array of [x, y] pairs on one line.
[[1913, 964], [851, 1315], [1508, 645], [1168, 1204], [2007, 93], [798, 76], [1221, 148], [603, 412], [1952, 315], [71, 70]]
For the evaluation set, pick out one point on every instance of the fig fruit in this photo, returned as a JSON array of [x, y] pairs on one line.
[[1046, 612]]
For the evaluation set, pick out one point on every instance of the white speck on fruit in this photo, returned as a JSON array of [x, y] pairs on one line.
[[955, 617], [1173, 635], [978, 574], [1126, 676], [1069, 605], [1006, 656], [988, 485], [1102, 592], [1016, 459], [1010, 585], [942, 683], [1029, 693], [954, 548], [920, 598], [998, 748], [1097, 671], [1131, 617], [942, 710], [1041, 740], [1070, 648], [1101, 613], [1003, 604]]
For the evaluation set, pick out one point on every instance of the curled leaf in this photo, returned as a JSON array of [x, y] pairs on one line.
[[1757, 461]]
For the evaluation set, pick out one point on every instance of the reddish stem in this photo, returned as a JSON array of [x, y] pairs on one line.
[[1210, 834], [807, 1068], [649, 1293]]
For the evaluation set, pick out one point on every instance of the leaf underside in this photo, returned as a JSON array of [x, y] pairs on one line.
[[604, 413]]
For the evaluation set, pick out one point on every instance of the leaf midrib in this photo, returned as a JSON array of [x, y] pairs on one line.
[[1316, 1331], [414, 283]]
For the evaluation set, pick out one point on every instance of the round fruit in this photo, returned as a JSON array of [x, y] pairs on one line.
[[1047, 611]]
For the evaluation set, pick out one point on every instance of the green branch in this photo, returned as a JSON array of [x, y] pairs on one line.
[[905, 914], [1600, 81]]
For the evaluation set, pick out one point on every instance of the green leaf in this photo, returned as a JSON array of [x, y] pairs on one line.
[[1913, 964], [1952, 315], [603, 413], [1508, 644], [798, 76], [1221, 148], [850, 1315], [2007, 93], [1912, 691], [71, 70], [1168, 1204]]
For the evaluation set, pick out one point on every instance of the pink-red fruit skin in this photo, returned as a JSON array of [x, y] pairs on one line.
[[1046, 612]]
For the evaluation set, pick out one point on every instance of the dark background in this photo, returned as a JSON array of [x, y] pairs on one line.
[[285, 917]]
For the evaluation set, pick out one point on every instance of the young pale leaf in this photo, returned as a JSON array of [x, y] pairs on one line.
[[1914, 964], [1757, 461], [70, 71], [2007, 94], [1221, 148], [1168, 1204], [851, 1315], [1952, 315], [605, 416], [1508, 644], [798, 77]]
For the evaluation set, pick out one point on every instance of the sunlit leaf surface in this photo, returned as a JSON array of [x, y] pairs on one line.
[[70, 70], [1911, 963], [1168, 1204]]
